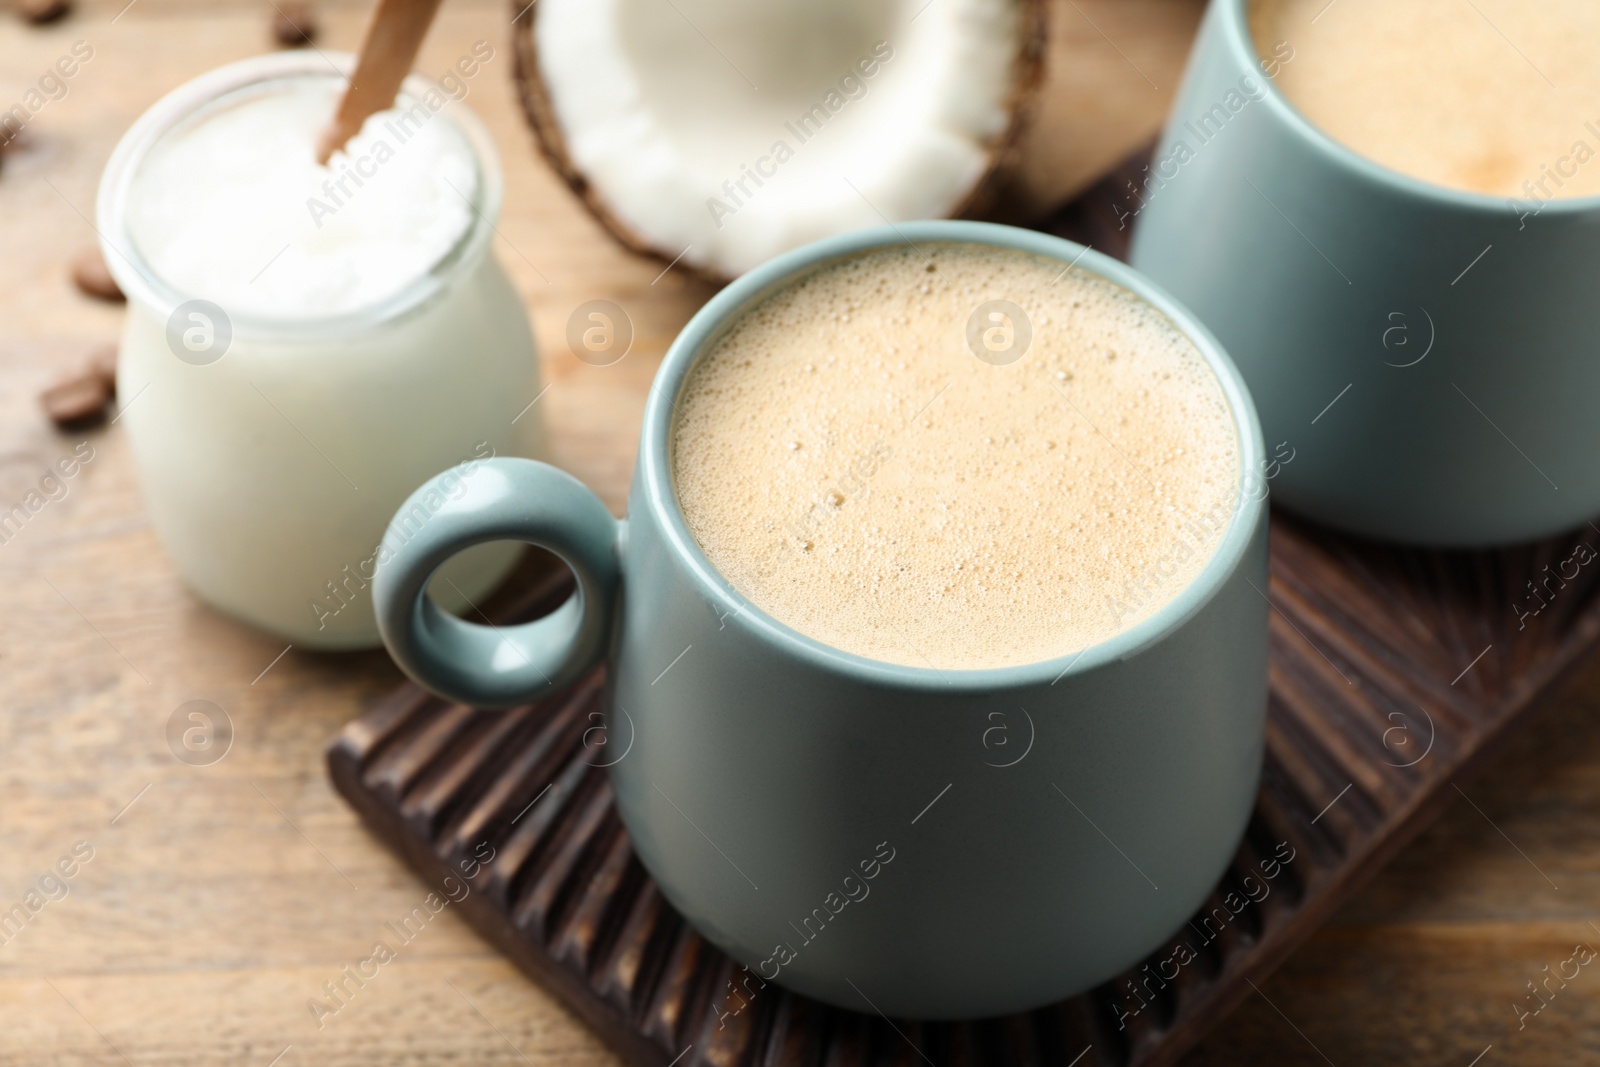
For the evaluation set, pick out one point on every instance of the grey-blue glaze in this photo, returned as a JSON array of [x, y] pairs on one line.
[[1303, 258], [757, 769]]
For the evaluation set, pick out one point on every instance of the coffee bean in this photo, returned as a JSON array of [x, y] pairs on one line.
[[74, 403], [293, 23], [81, 399], [102, 362], [12, 142], [39, 12], [90, 274]]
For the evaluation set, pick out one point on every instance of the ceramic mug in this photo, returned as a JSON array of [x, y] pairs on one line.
[[854, 829], [1428, 352]]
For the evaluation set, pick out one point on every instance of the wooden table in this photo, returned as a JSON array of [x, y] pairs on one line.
[[219, 899]]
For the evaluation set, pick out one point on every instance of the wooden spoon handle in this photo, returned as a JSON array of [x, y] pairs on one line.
[[387, 53]]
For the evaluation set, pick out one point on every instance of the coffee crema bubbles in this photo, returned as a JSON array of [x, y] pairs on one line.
[[883, 457]]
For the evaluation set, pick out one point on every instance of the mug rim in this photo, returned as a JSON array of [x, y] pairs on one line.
[[660, 493], [1241, 45]]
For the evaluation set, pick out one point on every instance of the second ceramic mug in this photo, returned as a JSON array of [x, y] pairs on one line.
[[1429, 353], [846, 827]]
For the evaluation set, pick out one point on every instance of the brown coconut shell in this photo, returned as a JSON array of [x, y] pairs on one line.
[[1004, 152]]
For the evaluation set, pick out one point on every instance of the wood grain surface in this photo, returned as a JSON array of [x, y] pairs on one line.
[[220, 899], [1369, 724]]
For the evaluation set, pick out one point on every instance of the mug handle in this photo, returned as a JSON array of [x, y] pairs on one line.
[[504, 500]]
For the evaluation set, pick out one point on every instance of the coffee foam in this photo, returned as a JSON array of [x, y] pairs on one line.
[[855, 471], [1436, 90]]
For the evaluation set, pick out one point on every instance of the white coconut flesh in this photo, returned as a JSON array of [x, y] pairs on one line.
[[728, 131]]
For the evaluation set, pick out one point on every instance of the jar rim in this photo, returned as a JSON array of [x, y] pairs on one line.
[[140, 281]]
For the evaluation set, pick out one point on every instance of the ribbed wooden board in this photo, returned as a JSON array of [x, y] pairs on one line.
[[1392, 672]]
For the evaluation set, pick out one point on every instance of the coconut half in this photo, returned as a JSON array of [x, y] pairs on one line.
[[719, 133]]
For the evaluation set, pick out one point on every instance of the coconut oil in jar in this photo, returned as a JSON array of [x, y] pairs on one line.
[[305, 345]]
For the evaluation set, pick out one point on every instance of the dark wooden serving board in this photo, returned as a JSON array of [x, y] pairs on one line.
[[1393, 671]]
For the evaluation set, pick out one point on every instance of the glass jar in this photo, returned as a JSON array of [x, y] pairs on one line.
[[274, 449]]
